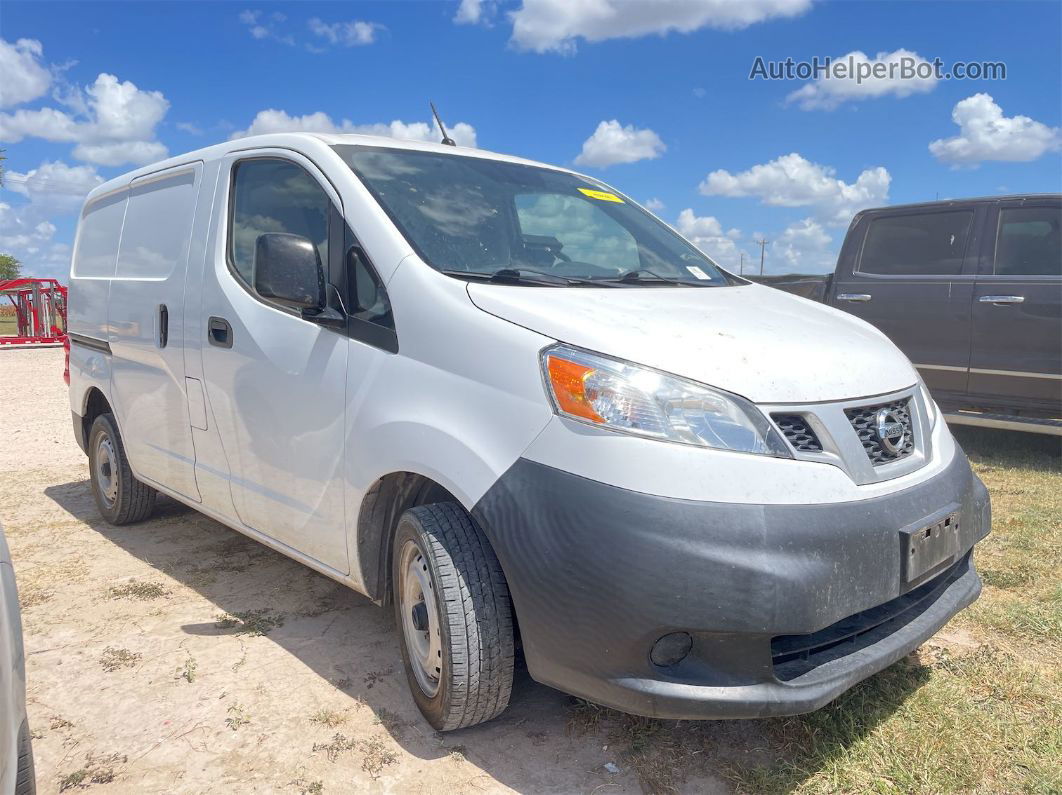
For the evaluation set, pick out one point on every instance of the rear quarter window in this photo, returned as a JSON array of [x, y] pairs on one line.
[[931, 244]]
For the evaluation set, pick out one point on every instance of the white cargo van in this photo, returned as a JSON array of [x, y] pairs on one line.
[[504, 398]]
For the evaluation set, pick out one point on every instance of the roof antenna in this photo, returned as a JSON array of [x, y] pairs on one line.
[[446, 138]]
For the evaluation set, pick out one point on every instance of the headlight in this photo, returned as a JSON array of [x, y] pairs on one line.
[[931, 407], [621, 396]]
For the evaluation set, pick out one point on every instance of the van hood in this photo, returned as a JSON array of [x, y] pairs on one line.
[[758, 342]]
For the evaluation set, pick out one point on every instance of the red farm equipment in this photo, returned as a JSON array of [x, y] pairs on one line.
[[39, 312]]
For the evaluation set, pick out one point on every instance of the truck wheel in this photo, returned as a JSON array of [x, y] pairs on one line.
[[121, 498], [454, 618]]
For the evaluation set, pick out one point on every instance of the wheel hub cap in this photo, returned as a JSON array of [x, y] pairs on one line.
[[420, 623], [106, 470]]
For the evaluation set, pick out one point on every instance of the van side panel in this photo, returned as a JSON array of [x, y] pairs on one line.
[[146, 324], [91, 270], [211, 464]]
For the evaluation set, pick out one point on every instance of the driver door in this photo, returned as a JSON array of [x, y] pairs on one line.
[[276, 382]]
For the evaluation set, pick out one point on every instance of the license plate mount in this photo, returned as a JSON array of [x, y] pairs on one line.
[[926, 545]]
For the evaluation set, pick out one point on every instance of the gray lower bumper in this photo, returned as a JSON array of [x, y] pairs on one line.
[[598, 574]]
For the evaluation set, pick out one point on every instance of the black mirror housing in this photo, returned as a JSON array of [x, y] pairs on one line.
[[288, 270]]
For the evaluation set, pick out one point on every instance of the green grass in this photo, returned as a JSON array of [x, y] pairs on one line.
[[977, 710], [8, 326]]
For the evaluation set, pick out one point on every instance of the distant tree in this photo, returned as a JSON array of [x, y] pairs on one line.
[[10, 267]]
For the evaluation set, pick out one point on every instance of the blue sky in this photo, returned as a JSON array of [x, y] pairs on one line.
[[653, 97]]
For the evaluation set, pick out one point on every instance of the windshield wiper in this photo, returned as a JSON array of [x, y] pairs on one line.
[[525, 276], [643, 276]]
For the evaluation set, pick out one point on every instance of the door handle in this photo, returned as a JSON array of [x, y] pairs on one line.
[[857, 298], [1001, 299], [164, 325], [219, 332]]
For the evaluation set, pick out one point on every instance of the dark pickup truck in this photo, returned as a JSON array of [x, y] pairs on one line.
[[971, 291]]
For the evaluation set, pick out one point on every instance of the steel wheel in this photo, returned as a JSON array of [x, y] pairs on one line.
[[420, 618], [106, 469]]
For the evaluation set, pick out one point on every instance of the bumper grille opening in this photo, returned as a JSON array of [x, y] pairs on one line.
[[798, 432], [796, 655], [864, 421]]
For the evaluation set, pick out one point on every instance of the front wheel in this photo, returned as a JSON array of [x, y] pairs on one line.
[[454, 617]]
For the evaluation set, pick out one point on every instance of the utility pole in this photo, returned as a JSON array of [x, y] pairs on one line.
[[763, 248], [741, 265]]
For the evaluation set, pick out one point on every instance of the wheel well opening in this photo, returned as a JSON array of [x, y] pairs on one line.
[[384, 503], [95, 405]]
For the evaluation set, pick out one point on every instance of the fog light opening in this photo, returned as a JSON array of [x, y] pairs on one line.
[[671, 649]]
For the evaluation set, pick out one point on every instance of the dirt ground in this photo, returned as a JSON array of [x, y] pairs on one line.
[[179, 656]]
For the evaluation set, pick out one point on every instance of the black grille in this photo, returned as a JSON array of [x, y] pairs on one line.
[[798, 432], [796, 655], [863, 421]]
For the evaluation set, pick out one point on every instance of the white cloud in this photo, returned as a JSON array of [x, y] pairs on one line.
[[27, 231], [793, 181], [275, 121], [555, 25], [189, 127], [613, 143], [653, 205], [54, 185], [867, 78], [112, 122], [33, 244], [472, 12], [24, 78], [803, 247], [986, 134], [706, 233], [349, 34], [263, 26]]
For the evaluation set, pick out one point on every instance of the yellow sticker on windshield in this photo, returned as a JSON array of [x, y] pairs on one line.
[[601, 195]]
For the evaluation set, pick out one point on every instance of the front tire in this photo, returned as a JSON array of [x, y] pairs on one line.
[[121, 498], [454, 617]]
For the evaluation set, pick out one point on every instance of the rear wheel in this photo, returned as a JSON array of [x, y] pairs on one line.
[[454, 617], [121, 498]]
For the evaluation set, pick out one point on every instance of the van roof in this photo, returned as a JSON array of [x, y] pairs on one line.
[[292, 140]]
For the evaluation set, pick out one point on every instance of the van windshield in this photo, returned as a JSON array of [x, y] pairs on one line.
[[477, 218]]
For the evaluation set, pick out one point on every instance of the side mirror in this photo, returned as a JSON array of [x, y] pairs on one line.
[[287, 269]]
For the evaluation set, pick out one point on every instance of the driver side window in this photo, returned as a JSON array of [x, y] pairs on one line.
[[273, 195], [556, 227]]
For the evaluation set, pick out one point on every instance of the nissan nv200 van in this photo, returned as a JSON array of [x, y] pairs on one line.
[[506, 400]]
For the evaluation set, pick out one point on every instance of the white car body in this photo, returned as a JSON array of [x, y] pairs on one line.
[[286, 434], [16, 761]]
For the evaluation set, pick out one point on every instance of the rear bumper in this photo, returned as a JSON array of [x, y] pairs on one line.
[[598, 574]]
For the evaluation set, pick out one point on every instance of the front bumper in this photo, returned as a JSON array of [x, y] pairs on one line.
[[598, 574]]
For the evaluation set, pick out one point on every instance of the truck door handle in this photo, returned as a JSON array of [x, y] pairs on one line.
[[164, 325], [219, 332], [858, 298], [1001, 299]]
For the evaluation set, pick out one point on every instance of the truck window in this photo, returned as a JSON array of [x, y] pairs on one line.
[[932, 244], [1028, 242], [272, 195]]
